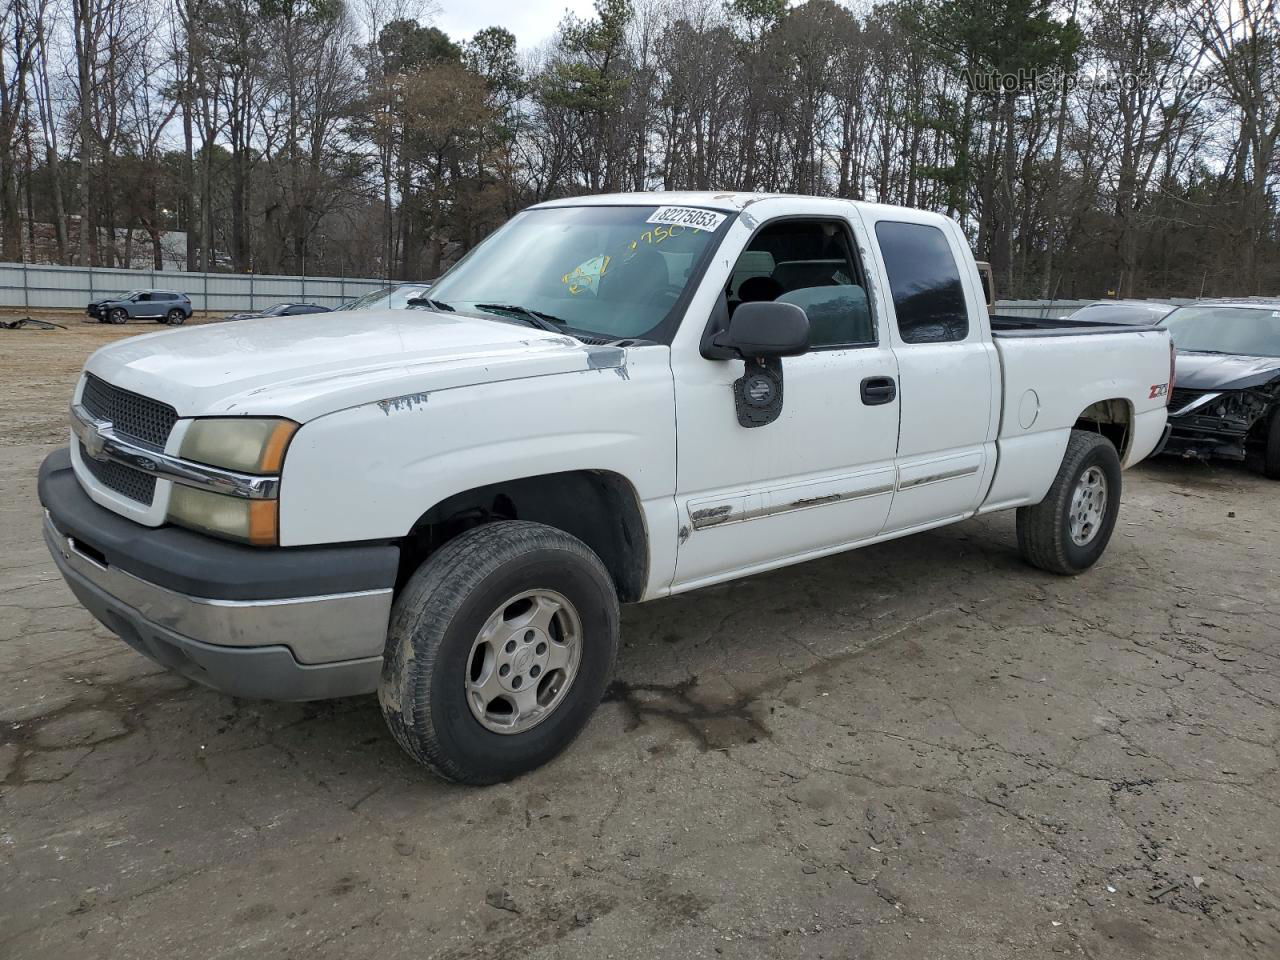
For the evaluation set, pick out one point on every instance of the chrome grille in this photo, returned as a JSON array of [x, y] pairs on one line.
[[125, 481], [133, 415]]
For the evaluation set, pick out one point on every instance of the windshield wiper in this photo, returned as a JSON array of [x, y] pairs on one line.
[[428, 302], [535, 318]]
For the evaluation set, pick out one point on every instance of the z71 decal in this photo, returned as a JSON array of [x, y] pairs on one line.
[[1158, 390]]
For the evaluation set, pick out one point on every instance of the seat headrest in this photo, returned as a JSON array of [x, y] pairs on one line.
[[797, 274], [759, 289]]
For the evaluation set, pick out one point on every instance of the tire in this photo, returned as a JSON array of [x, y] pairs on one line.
[[1045, 532], [436, 655], [175, 317], [1271, 456], [118, 315]]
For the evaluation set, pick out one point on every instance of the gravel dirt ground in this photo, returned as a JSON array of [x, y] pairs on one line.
[[923, 749]]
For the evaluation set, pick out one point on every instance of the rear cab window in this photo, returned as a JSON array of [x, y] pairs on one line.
[[928, 294]]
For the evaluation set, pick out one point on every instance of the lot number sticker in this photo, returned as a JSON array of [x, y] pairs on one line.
[[688, 217]]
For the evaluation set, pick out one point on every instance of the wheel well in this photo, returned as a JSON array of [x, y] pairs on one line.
[[1112, 419], [1260, 430], [598, 507]]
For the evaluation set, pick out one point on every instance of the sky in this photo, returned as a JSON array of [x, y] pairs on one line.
[[532, 21]]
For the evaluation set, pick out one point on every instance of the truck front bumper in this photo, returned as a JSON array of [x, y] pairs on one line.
[[293, 623]]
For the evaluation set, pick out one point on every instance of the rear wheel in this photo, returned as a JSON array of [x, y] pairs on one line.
[[500, 647], [175, 317], [1068, 531], [118, 315]]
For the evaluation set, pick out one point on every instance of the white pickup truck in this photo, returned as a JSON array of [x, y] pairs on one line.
[[613, 398]]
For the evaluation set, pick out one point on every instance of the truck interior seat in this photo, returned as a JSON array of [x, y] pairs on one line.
[[646, 271], [751, 263], [796, 274], [758, 289]]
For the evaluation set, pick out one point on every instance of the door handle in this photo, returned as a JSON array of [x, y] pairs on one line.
[[878, 390]]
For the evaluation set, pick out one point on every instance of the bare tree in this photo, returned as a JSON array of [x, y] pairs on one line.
[[313, 135], [17, 47], [1241, 39]]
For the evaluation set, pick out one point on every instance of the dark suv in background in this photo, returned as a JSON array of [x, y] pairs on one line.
[[162, 306]]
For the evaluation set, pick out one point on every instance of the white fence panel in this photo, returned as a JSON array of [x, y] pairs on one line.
[[39, 286], [44, 287]]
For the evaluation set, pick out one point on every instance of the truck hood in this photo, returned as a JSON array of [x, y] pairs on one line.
[[1215, 371], [306, 366]]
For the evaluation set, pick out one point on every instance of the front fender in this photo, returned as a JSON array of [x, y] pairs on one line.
[[369, 472]]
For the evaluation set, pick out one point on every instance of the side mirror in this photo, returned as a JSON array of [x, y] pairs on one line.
[[765, 331]]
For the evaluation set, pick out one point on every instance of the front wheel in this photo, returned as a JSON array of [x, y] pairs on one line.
[[119, 316], [1068, 531], [1271, 454], [500, 647]]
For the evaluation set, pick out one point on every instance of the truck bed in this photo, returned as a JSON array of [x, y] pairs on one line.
[[1054, 370], [1007, 326]]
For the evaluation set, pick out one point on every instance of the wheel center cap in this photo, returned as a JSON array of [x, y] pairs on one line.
[[522, 660]]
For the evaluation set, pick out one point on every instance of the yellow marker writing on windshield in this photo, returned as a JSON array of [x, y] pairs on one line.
[[586, 276], [658, 234]]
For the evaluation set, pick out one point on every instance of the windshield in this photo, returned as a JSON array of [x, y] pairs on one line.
[[1122, 312], [275, 310], [610, 271], [130, 295], [1249, 331], [395, 297]]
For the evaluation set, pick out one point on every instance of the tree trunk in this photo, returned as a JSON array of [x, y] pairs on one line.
[[86, 53], [189, 176]]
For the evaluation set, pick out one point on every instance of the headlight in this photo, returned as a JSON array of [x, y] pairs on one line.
[[246, 444], [250, 521]]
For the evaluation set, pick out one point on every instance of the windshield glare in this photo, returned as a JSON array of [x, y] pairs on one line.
[[606, 271], [1248, 331]]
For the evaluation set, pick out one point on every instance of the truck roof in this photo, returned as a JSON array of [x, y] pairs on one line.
[[727, 200]]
